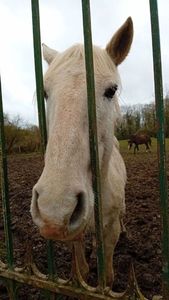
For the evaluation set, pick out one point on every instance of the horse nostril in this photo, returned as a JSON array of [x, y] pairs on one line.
[[34, 204], [35, 197], [36, 194], [78, 211]]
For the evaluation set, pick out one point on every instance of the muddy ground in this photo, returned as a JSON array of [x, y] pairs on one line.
[[141, 246]]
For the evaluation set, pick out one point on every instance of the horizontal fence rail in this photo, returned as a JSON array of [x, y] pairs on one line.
[[75, 286]]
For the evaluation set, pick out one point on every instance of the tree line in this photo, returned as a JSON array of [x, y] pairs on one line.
[[20, 137], [25, 138], [141, 117]]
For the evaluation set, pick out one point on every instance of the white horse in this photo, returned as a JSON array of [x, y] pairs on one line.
[[63, 199]]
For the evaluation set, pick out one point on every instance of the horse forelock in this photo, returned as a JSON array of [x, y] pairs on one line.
[[74, 56], [71, 64]]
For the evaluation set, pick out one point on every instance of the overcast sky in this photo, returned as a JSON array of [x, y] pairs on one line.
[[61, 26]]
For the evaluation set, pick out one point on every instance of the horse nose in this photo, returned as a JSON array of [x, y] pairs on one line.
[[78, 212], [47, 227], [71, 222], [34, 210]]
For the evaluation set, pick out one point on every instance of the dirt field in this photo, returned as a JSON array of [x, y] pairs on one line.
[[142, 244]]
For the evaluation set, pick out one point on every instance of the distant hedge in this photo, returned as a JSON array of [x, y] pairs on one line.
[[141, 117], [20, 137]]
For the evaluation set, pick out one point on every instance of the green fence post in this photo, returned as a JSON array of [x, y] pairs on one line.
[[38, 72], [41, 108], [5, 202], [161, 142], [93, 139]]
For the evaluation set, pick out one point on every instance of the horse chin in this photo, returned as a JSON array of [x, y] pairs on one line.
[[78, 232], [63, 234]]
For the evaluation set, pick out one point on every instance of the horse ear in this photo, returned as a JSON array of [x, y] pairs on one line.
[[119, 46], [49, 54]]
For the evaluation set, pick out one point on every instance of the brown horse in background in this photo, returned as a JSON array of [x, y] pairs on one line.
[[139, 139]]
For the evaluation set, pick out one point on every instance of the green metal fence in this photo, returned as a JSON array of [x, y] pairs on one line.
[[13, 276]]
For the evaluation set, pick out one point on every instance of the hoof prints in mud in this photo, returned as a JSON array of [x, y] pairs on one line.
[[141, 245]]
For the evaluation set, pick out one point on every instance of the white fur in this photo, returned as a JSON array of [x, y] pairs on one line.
[[67, 161]]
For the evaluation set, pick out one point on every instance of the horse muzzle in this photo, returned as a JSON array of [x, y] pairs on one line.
[[72, 225]]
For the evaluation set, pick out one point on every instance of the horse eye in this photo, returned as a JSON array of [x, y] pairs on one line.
[[110, 91], [45, 95]]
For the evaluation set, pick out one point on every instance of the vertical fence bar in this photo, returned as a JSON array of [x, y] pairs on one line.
[[93, 139], [161, 141], [41, 108], [38, 72], [5, 189], [5, 200]]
